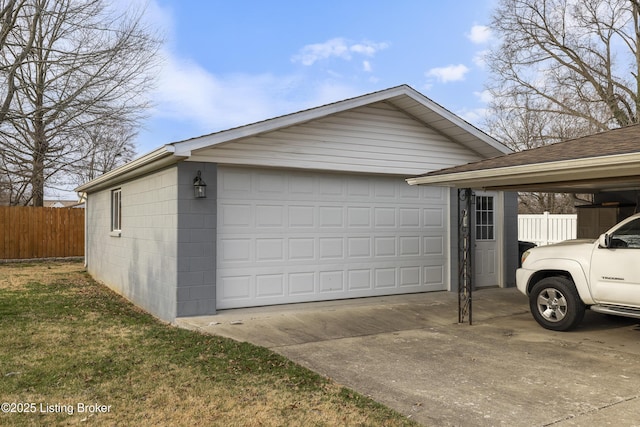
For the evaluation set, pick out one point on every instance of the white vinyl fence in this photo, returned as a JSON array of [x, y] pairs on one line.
[[547, 228]]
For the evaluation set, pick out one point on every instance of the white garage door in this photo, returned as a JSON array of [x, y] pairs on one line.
[[292, 236]]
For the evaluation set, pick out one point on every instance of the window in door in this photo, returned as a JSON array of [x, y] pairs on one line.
[[485, 215]]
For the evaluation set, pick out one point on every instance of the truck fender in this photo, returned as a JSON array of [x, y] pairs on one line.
[[544, 267]]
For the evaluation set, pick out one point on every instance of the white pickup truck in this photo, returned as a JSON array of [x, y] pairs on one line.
[[564, 279]]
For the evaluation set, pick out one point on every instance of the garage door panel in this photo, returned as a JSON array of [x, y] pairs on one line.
[[359, 279], [359, 217], [434, 276], [234, 250], [270, 249], [331, 248], [410, 217], [433, 246], [270, 216], [384, 278], [359, 188], [410, 276], [409, 246], [331, 281], [271, 182], [385, 217], [235, 215], [385, 190], [270, 285], [434, 194], [235, 183], [359, 247], [331, 217], [301, 284], [433, 218], [235, 288], [302, 249], [301, 216], [293, 236]]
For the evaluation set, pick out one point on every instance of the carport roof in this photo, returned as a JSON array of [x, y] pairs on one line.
[[605, 161]]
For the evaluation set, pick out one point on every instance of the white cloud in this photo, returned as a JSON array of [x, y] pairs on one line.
[[479, 34], [484, 96], [315, 52], [368, 48], [204, 102], [188, 92], [450, 73], [336, 48], [475, 116], [329, 91], [191, 100]]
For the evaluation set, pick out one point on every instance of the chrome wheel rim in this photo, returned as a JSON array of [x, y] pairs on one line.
[[552, 305]]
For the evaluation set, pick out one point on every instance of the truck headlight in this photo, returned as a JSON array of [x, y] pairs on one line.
[[524, 256]]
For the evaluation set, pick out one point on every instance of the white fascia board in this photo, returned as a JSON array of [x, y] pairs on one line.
[[152, 161], [569, 170]]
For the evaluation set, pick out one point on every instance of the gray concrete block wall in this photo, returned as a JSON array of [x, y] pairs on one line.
[[511, 238], [141, 264], [196, 249]]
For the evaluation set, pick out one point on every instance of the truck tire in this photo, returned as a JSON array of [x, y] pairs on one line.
[[555, 304]]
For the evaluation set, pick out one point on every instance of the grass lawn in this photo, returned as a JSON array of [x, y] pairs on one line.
[[75, 353]]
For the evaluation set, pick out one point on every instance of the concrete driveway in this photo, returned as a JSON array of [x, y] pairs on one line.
[[409, 353]]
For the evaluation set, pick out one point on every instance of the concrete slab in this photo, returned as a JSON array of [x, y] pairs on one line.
[[409, 352]]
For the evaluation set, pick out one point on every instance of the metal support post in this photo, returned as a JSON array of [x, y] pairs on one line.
[[465, 251]]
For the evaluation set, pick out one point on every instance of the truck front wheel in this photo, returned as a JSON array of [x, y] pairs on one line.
[[555, 304]]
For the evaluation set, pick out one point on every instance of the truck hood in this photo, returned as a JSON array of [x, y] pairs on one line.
[[579, 250], [571, 242]]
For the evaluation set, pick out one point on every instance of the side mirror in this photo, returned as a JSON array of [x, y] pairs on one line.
[[604, 241]]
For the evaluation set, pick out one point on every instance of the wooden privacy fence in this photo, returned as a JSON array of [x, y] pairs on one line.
[[544, 229], [29, 232]]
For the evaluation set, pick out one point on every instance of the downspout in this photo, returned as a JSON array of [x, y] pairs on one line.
[[85, 197]]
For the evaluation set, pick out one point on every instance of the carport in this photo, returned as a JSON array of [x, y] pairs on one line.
[[606, 165]]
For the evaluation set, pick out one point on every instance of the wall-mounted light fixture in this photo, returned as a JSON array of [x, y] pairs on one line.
[[199, 187]]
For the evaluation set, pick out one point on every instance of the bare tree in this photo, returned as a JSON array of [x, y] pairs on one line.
[[577, 58], [87, 69], [563, 69], [105, 148], [11, 13]]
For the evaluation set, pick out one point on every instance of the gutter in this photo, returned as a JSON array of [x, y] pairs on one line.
[[617, 165], [157, 159]]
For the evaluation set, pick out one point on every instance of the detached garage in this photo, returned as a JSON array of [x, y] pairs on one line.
[[305, 207]]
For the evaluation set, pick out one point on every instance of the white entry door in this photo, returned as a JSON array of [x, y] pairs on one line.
[[486, 254]]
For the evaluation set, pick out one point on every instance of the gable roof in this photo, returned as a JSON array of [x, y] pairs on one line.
[[597, 162], [403, 97]]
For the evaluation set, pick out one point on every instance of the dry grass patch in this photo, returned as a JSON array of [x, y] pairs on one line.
[[13, 276], [67, 341]]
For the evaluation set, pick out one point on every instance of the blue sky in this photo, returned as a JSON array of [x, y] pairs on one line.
[[235, 62]]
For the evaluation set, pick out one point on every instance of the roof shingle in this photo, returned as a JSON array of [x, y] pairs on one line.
[[617, 141]]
